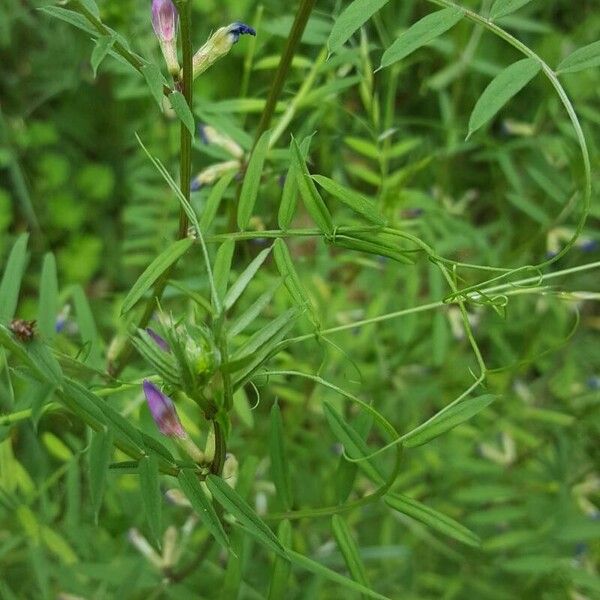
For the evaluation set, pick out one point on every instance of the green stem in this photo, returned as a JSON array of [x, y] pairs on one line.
[[289, 51], [433, 305], [220, 449], [185, 15], [287, 233], [185, 174]]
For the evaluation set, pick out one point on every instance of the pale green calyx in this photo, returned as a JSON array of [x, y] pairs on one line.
[[218, 45]]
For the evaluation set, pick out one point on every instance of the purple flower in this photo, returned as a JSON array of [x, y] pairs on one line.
[[237, 29], [588, 245], [164, 19], [163, 411], [162, 344], [203, 135]]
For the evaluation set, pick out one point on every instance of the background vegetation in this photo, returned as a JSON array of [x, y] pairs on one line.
[[521, 476]]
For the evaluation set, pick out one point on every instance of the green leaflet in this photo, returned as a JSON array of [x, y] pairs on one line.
[[289, 198], [154, 271], [432, 518], [233, 503], [48, 302], [357, 202], [213, 202], [87, 325], [318, 569], [353, 17], [71, 17], [349, 549], [446, 419], [242, 282], [279, 464], [421, 33], [101, 50], [288, 272], [222, 267], [99, 455], [91, 6], [249, 315], [191, 487], [501, 89], [151, 496], [355, 445], [11, 279], [182, 110], [85, 401], [281, 567], [156, 82], [252, 179], [583, 58], [308, 192], [264, 335], [501, 8]]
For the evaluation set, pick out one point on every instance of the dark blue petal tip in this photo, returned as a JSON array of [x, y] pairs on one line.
[[195, 186], [238, 29]]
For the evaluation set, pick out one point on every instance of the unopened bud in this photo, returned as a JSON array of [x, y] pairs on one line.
[[210, 136], [218, 45], [144, 547], [159, 341], [164, 22], [171, 547], [214, 173], [231, 470]]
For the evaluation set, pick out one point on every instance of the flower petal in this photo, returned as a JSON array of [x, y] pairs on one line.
[[163, 411]]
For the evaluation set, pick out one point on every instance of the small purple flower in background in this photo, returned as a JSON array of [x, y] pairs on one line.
[[203, 134], [160, 342], [163, 411], [587, 245], [593, 382], [164, 22], [62, 320]]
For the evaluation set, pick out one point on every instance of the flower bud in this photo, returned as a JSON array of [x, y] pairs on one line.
[[218, 45], [210, 136], [160, 342], [164, 22], [144, 548], [231, 470], [163, 411], [211, 174]]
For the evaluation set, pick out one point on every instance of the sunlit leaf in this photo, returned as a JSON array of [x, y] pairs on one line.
[[502, 88], [421, 33]]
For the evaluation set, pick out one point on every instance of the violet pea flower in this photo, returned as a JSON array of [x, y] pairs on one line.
[[163, 411]]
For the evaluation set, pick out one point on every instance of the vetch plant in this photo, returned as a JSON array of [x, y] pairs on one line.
[[225, 320]]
